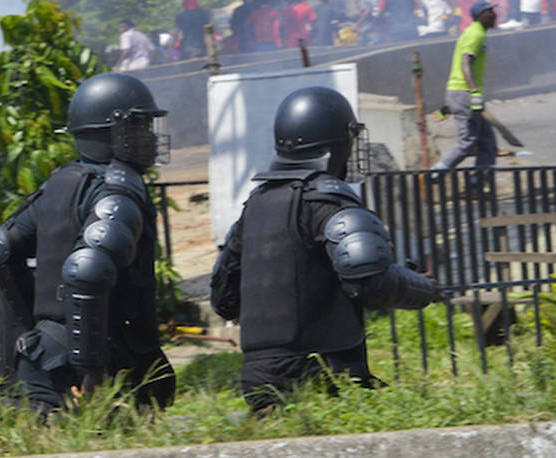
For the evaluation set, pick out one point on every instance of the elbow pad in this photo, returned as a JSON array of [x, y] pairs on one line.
[[88, 276], [117, 230], [359, 245], [362, 255]]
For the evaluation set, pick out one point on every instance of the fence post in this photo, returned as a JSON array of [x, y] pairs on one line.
[[304, 53], [212, 64], [421, 120], [166, 222]]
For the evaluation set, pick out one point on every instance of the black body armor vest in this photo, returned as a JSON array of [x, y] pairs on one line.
[[132, 314], [57, 229], [291, 298]]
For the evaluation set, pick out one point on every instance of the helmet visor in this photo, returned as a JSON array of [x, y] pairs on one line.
[[160, 131], [142, 139], [359, 162]]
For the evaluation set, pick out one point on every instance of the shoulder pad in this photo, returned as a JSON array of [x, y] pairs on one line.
[[328, 184], [113, 237], [284, 175], [350, 220], [118, 207], [125, 179]]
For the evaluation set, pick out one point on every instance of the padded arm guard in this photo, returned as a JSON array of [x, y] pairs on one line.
[[361, 253], [226, 280], [89, 274], [408, 289]]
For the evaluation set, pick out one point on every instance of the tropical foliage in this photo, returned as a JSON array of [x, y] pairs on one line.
[[209, 406], [38, 76]]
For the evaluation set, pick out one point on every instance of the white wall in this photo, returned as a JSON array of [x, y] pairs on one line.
[[241, 109]]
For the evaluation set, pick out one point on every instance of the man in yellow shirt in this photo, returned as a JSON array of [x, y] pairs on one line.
[[464, 92]]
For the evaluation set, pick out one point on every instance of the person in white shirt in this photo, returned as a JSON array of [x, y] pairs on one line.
[[135, 48], [531, 12], [437, 13]]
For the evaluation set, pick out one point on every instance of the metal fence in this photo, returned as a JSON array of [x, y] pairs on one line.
[[468, 227], [445, 223]]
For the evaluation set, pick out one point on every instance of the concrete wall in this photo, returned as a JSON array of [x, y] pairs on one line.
[[514, 60], [497, 441], [518, 61], [395, 125]]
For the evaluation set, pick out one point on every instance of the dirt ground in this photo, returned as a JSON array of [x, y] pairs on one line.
[[193, 251]]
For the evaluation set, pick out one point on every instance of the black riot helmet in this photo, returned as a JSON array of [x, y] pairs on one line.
[[113, 115], [314, 128]]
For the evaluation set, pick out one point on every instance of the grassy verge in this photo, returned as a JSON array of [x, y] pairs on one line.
[[209, 406]]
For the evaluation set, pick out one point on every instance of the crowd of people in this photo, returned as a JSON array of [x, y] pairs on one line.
[[267, 25]]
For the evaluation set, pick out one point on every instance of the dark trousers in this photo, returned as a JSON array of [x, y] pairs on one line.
[[45, 374], [265, 381]]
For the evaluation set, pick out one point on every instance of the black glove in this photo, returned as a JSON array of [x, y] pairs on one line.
[[438, 295]]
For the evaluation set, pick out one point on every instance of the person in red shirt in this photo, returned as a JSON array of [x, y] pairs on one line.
[[464, 7], [297, 17], [550, 7], [265, 25]]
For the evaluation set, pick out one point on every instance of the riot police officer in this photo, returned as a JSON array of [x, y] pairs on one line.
[[91, 228], [305, 258]]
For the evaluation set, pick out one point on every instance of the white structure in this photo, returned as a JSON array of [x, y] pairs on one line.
[[395, 125], [241, 109]]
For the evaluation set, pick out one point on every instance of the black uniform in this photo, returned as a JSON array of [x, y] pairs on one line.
[[292, 301], [50, 228], [305, 257]]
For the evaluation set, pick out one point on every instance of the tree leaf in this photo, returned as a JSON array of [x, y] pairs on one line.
[[48, 78], [25, 181], [85, 56], [14, 151]]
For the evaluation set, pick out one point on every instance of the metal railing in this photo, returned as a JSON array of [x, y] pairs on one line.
[[162, 189], [434, 220]]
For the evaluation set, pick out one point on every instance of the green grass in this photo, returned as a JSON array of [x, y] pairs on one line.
[[209, 403]]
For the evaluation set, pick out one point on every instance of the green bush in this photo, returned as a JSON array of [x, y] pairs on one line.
[[38, 77], [209, 406]]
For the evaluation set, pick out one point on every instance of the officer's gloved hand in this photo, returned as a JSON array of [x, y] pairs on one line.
[[438, 295], [476, 102]]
